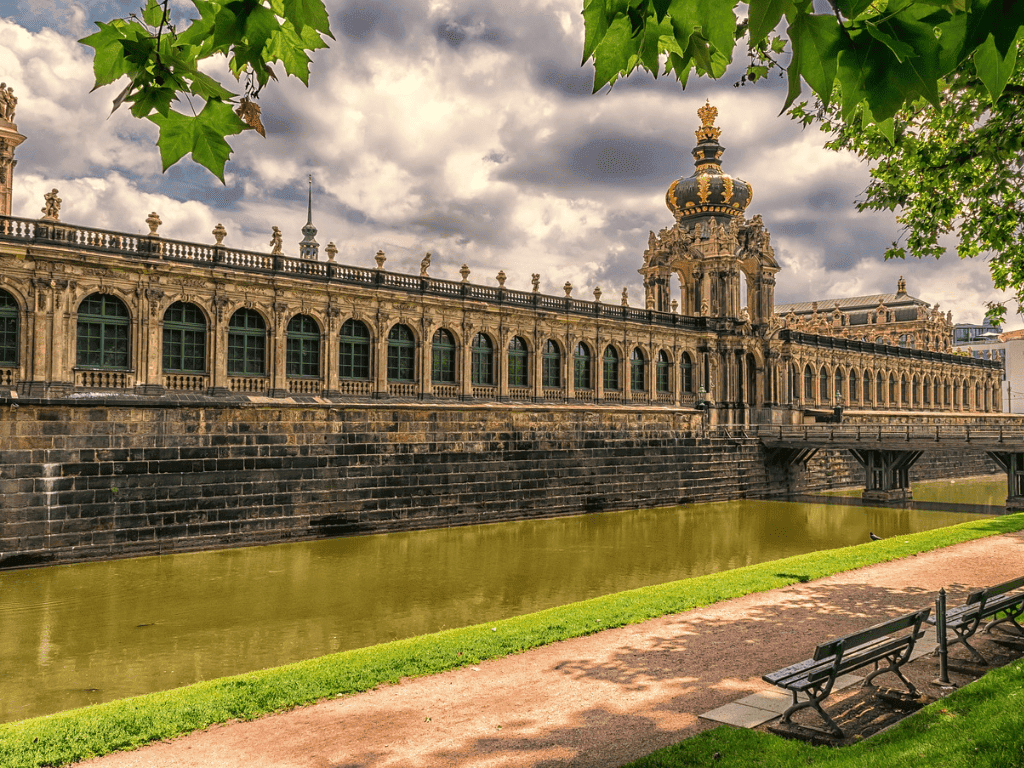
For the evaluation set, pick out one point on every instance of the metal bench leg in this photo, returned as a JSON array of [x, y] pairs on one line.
[[893, 667], [814, 701], [1011, 616]]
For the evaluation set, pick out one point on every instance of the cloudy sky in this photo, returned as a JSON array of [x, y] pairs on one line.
[[462, 127]]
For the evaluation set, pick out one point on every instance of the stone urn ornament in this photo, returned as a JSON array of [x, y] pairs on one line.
[[153, 221], [380, 258], [501, 278], [332, 251], [464, 271], [219, 233], [597, 294], [567, 288]]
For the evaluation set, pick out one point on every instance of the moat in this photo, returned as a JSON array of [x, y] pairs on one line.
[[81, 634]]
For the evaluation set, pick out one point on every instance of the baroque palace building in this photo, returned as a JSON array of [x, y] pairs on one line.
[[89, 311]]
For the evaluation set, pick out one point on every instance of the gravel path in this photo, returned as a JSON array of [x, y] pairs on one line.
[[601, 700]]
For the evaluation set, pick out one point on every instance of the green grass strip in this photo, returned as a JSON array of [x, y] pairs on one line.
[[979, 725], [97, 730]]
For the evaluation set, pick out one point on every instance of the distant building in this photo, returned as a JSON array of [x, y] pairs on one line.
[[966, 333], [1008, 349]]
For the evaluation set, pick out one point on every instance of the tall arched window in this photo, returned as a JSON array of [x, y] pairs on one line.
[[518, 363], [686, 369], [611, 369], [354, 350], [401, 354], [638, 371], [892, 390], [824, 391], [247, 344], [551, 365], [184, 348], [840, 379], [103, 333], [904, 390], [663, 373], [854, 386], [581, 367], [482, 363], [808, 383], [443, 357], [879, 389], [8, 329], [302, 348], [867, 387]]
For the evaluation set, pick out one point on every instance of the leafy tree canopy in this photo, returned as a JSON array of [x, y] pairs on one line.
[[930, 91], [162, 62]]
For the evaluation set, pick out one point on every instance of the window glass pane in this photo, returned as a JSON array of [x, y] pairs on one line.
[[517, 363]]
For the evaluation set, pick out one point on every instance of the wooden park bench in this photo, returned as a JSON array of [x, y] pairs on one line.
[[891, 642], [982, 604]]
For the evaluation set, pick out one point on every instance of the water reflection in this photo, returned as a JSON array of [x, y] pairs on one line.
[[81, 634]]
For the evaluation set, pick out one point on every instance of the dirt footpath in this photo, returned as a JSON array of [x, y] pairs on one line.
[[601, 700]]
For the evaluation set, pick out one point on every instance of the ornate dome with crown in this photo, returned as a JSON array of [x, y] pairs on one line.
[[708, 192]]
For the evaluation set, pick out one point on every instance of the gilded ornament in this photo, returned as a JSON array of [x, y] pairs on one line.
[[707, 115], [703, 187], [727, 192]]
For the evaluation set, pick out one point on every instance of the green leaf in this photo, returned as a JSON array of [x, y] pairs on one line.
[[902, 51], [595, 24], [138, 51], [765, 15], [206, 87], [209, 148], [994, 69], [612, 56], [260, 26], [149, 100], [853, 8], [817, 41], [288, 48], [153, 13], [109, 63], [302, 13], [176, 136]]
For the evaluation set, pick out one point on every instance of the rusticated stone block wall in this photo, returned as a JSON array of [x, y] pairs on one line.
[[85, 481]]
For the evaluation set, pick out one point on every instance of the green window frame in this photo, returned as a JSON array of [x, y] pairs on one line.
[[247, 344], [854, 381], [582, 367], [824, 390], [482, 360], [354, 351], [610, 369], [442, 357], [104, 333], [518, 363], [184, 339], [551, 364], [637, 370], [302, 348], [8, 330], [663, 372], [808, 383], [401, 354]]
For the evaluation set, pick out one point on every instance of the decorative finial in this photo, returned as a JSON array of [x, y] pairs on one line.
[[707, 130], [219, 233], [465, 273], [425, 265], [901, 286], [535, 281], [153, 220], [308, 246], [332, 251], [275, 242], [567, 288], [380, 258], [675, 306], [51, 206], [597, 294], [500, 278]]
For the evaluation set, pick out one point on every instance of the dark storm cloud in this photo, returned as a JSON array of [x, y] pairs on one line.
[[483, 221], [603, 160], [363, 20]]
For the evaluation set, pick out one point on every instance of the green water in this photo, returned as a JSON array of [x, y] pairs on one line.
[[82, 634]]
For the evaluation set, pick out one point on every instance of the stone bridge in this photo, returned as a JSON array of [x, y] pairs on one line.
[[887, 450]]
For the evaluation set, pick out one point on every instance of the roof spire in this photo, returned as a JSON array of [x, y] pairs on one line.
[[309, 247]]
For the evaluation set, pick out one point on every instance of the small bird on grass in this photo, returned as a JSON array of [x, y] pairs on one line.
[[874, 536]]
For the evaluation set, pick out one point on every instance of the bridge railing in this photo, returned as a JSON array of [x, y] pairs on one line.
[[1012, 434]]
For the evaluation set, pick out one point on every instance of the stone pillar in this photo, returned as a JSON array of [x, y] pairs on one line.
[[218, 353], [330, 352], [9, 141], [278, 356]]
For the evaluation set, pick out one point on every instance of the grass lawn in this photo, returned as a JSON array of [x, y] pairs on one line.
[[78, 734]]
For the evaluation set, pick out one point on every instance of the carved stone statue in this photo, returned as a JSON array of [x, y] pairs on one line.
[[8, 102], [425, 265], [275, 242], [51, 208], [535, 280], [625, 297]]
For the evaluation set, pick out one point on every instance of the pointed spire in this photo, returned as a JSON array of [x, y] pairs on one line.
[[309, 247]]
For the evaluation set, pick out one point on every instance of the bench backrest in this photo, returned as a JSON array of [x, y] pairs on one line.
[[981, 595], [837, 646]]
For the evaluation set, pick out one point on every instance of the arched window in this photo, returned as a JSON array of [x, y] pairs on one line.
[[663, 373], [8, 329], [442, 369], [581, 367], [840, 379], [103, 333], [184, 349], [823, 387], [892, 390], [611, 369], [637, 370], [879, 389], [966, 396], [551, 365], [915, 391], [482, 362], [904, 390], [518, 363], [854, 385], [867, 387], [247, 344], [354, 350], [808, 383], [401, 354], [302, 348], [686, 369]]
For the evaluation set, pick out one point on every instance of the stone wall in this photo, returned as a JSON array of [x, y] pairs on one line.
[[97, 479]]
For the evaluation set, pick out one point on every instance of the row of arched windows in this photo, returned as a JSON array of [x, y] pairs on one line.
[[876, 388], [104, 343]]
